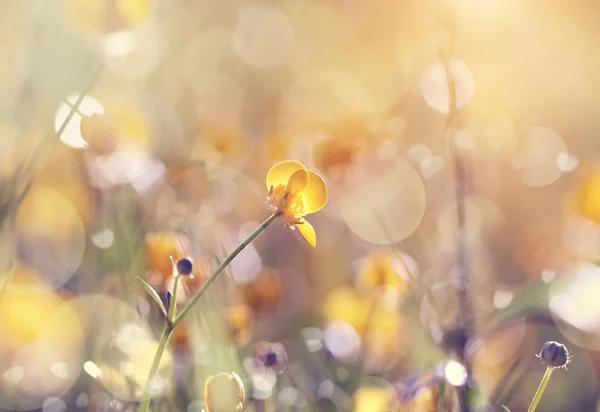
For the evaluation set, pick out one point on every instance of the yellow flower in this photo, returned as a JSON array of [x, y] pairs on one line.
[[224, 392], [240, 320], [383, 269], [295, 192], [586, 197], [375, 399]]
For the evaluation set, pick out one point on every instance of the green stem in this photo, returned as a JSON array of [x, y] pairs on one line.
[[172, 311], [540, 390], [173, 320], [164, 339], [270, 404], [222, 266]]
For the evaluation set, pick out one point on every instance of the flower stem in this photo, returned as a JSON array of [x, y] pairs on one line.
[[222, 266], [164, 339], [540, 390], [173, 320], [172, 310]]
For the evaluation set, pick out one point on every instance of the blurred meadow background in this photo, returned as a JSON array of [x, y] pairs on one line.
[[458, 141]]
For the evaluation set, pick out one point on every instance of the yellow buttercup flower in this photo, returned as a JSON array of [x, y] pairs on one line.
[[295, 192], [224, 392]]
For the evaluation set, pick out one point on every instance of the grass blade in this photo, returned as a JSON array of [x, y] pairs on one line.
[[153, 294]]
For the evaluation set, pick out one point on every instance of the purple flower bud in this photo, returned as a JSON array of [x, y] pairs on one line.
[[554, 355], [185, 266]]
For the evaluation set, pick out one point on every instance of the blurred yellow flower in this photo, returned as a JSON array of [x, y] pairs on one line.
[[383, 269], [107, 16], [240, 319], [221, 143], [586, 198], [374, 399], [224, 392], [159, 248], [295, 192], [31, 312], [424, 400], [335, 154], [379, 324], [345, 304]]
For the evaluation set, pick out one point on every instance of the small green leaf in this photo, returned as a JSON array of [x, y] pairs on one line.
[[505, 408], [153, 294]]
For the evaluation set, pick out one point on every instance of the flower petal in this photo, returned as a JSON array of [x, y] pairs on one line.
[[281, 172], [298, 181], [308, 233], [314, 194]]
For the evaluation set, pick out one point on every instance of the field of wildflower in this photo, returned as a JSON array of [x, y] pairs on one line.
[[299, 205]]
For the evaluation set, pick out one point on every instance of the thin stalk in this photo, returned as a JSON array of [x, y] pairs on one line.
[[172, 310], [540, 389], [173, 319], [164, 340], [464, 322], [75, 106], [222, 267]]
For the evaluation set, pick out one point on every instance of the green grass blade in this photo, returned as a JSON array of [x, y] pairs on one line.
[[153, 294]]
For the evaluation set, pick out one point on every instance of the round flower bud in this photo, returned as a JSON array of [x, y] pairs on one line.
[[554, 355], [185, 266], [224, 392]]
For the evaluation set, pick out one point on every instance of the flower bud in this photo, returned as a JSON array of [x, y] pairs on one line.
[[224, 392], [185, 266], [100, 133], [554, 355]]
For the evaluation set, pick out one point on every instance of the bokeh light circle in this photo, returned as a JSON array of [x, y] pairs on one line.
[[263, 36], [342, 340], [581, 237], [434, 85], [54, 404], [133, 53], [386, 208], [485, 129], [41, 347], [455, 373], [121, 347], [538, 159], [52, 233], [575, 306], [71, 135]]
